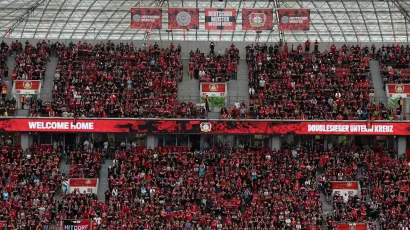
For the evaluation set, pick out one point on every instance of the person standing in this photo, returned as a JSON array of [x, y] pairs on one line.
[[207, 103]]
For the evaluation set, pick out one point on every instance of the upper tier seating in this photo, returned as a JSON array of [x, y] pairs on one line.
[[108, 80], [298, 84], [214, 67]]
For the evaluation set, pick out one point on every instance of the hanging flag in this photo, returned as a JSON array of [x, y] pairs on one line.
[[294, 19], [183, 18], [220, 19], [146, 18], [257, 19]]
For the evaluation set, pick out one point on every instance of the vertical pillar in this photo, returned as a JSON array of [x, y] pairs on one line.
[[275, 142], [325, 142], [152, 141], [401, 145], [25, 141], [202, 141]]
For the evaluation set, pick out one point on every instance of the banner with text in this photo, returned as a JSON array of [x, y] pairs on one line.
[[27, 86], [81, 185], [294, 19], [146, 18], [220, 19], [257, 19], [183, 18], [214, 89], [84, 224], [351, 226], [351, 188], [153, 126], [397, 91]]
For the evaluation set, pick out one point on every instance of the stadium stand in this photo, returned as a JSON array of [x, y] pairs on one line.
[[298, 84], [29, 181], [298, 135], [108, 80], [214, 67]]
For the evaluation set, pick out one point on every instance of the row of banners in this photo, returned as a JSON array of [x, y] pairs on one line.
[[220, 19], [178, 126]]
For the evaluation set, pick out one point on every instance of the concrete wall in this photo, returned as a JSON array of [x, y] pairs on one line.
[[187, 46]]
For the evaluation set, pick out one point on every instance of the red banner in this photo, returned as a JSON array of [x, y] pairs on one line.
[[81, 185], [27, 86], [213, 89], [398, 90], [194, 126], [220, 19], [146, 18], [345, 185], [257, 19], [83, 182], [352, 226], [183, 18], [294, 19]]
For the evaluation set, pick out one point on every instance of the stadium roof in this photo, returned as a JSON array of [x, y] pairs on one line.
[[331, 21]]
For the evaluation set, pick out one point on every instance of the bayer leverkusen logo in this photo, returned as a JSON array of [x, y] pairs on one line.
[[27, 84], [206, 127], [257, 19], [213, 87]]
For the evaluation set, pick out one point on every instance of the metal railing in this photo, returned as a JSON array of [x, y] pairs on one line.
[[198, 101]]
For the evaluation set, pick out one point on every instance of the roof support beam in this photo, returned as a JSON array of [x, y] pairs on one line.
[[337, 20], [41, 18], [236, 18], [82, 17], [23, 16], [361, 14], [378, 21], [392, 24], [351, 22], [68, 18], [55, 17], [404, 8]]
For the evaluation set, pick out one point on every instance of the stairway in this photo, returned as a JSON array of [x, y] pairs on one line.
[[188, 89], [11, 61], [64, 169], [48, 82], [238, 90], [103, 182], [377, 80]]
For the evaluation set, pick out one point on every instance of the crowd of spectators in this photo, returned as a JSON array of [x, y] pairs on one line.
[[108, 80], [395, 63], [4, 51], [214, 67], [213, 190], [31, 61], [296, 83], [85, 163], [7, 105], [384, 189], [28, 182]]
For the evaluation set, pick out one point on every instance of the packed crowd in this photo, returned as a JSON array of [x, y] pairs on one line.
[[297, 83], [4, 51], [28, 182], [383, 192], [214, 67], [211, 190], [108, 80], [7, 105], [31, 61], [395, 63], [85, 163]]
